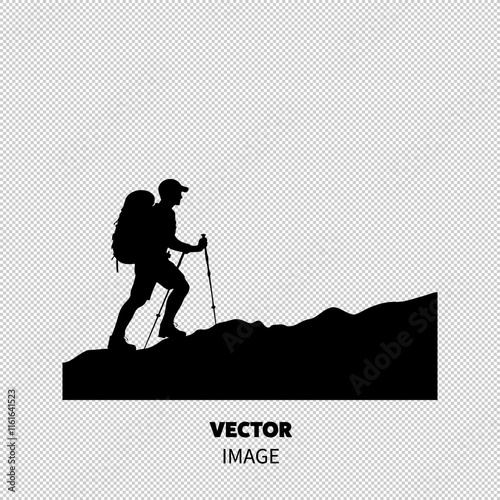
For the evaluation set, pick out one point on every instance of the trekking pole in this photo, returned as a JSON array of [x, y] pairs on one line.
[[210, 280], [162, 304]]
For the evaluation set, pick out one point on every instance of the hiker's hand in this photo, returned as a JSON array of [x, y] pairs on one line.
[[202, 244]]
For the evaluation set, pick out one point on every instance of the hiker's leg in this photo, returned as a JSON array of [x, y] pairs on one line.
[[175, 300], [126, 314], [172, 278], [141, 292]]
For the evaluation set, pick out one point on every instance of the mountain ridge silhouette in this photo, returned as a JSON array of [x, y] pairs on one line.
[[324, 357]]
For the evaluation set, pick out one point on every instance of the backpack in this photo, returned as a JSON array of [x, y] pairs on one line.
[[131, 234]]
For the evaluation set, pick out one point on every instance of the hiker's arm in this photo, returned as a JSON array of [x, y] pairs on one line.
[[180, 246]]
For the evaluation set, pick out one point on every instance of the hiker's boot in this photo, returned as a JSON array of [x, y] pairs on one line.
[[120, 344], [171, 331]]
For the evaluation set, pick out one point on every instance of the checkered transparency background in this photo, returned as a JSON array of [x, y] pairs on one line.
[[338, 154]]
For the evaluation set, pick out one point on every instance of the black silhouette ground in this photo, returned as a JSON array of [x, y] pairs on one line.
[[322, 358]]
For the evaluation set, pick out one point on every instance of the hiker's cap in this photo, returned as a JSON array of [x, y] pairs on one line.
[[171, 186]]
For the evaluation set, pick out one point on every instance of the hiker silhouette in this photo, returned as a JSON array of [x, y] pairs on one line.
[[152, 264]]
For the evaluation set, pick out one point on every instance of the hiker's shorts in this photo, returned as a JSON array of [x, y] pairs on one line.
[[155, 270]]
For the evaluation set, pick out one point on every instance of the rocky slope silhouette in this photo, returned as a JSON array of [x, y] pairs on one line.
[[386, 352]]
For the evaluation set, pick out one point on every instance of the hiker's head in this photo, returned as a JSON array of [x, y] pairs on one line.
[[171, 192]]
